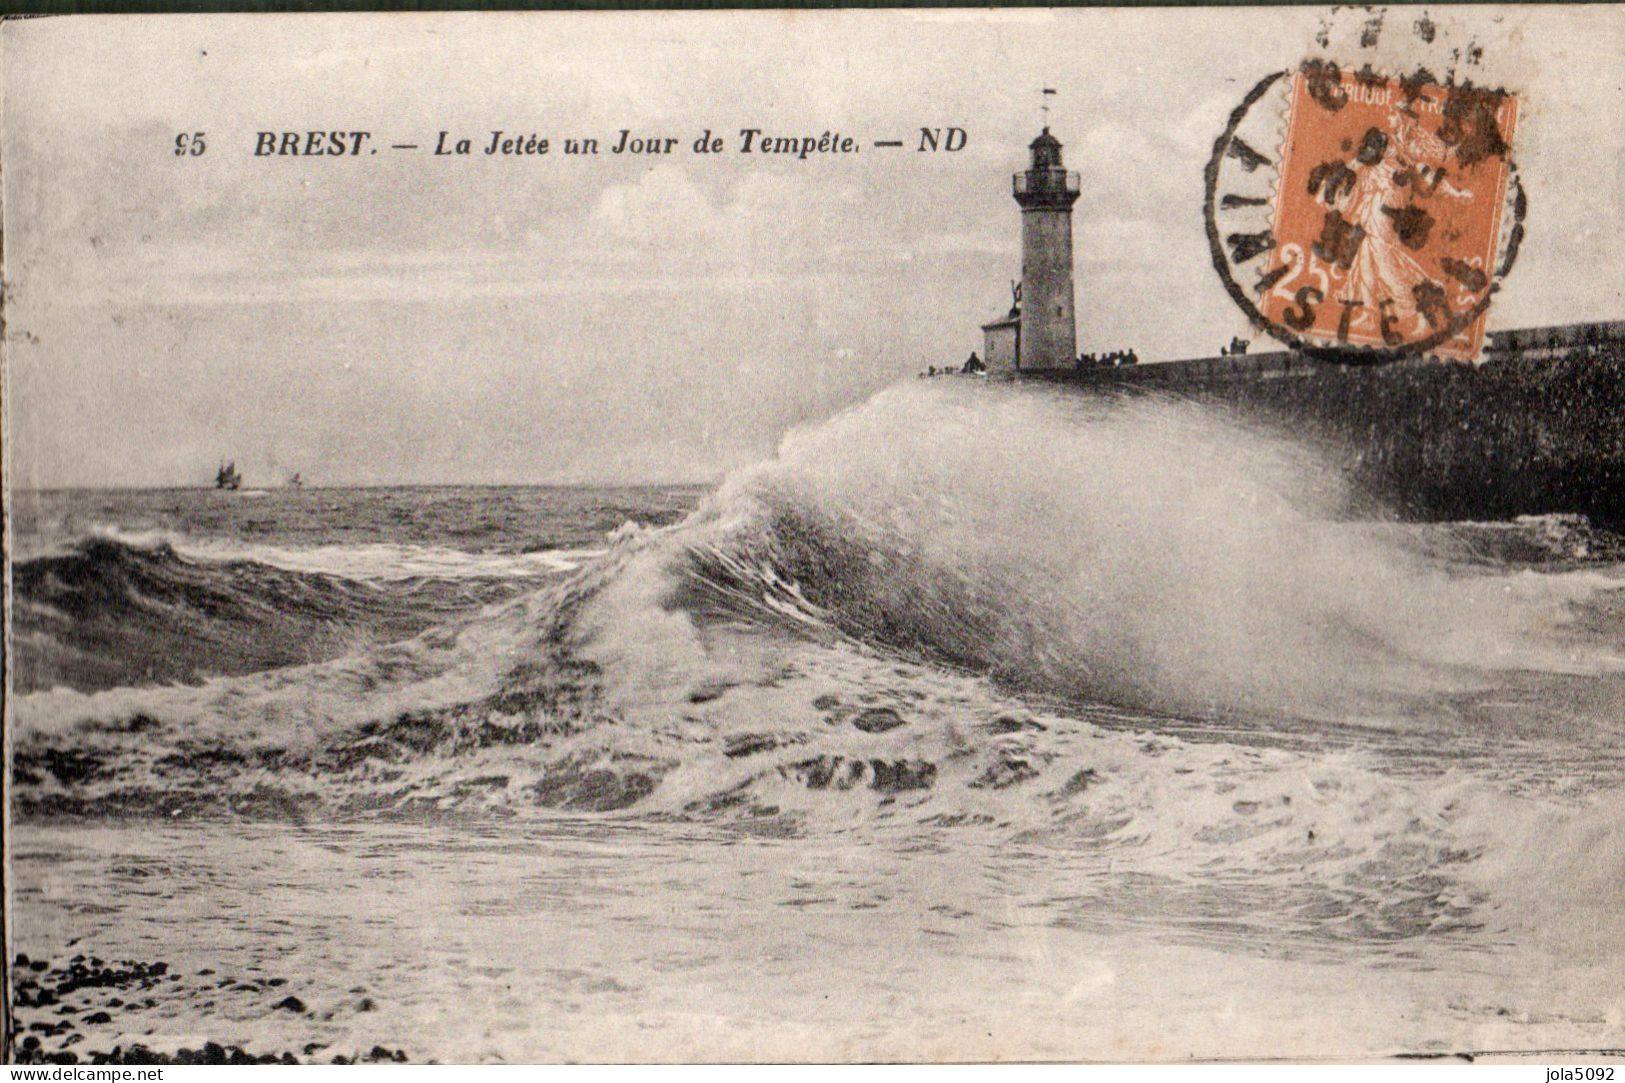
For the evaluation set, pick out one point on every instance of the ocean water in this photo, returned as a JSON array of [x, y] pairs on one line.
[[141, 586], [975, 723]]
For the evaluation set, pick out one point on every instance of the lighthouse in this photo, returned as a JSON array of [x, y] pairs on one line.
[[1046, 191]]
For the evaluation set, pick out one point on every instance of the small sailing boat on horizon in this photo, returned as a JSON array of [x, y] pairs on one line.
[[296, 482], [228, 478]]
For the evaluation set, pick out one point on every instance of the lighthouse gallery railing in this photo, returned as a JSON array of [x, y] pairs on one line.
[[1049, 181]]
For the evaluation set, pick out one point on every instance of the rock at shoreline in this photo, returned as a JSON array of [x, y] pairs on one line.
[[76, 994]]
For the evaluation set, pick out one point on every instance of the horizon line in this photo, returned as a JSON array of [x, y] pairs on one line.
[[309, 487]]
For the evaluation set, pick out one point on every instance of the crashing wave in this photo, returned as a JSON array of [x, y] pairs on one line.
[[108, 612], [984, 553], [1130, 627]]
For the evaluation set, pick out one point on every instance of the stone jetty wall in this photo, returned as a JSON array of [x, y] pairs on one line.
[[1537, 428]]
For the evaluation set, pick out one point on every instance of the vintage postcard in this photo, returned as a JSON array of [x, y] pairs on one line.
[[867, 535]]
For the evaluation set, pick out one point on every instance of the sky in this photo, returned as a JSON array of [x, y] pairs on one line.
[[399, 318]]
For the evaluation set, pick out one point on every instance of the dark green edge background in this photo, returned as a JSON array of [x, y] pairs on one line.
[[104, 7]]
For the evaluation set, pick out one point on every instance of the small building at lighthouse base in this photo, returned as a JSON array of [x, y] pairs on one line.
[[1001, 343]]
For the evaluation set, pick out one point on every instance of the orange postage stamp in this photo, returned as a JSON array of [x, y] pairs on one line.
[[1388, 212]]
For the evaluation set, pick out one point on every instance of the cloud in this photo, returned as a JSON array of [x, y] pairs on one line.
[[663, 206]]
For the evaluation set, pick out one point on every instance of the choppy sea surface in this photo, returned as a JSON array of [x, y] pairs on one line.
[[976, 723]]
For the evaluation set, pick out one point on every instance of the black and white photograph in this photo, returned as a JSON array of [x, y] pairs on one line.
[[1087, 535]]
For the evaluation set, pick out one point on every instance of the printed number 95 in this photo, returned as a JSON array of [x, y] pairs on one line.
[[189, 144]]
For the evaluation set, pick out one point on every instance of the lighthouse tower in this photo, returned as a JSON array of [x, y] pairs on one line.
[[1046, 192]]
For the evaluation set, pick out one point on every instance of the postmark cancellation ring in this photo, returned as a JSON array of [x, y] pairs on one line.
[[1380, 218]]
